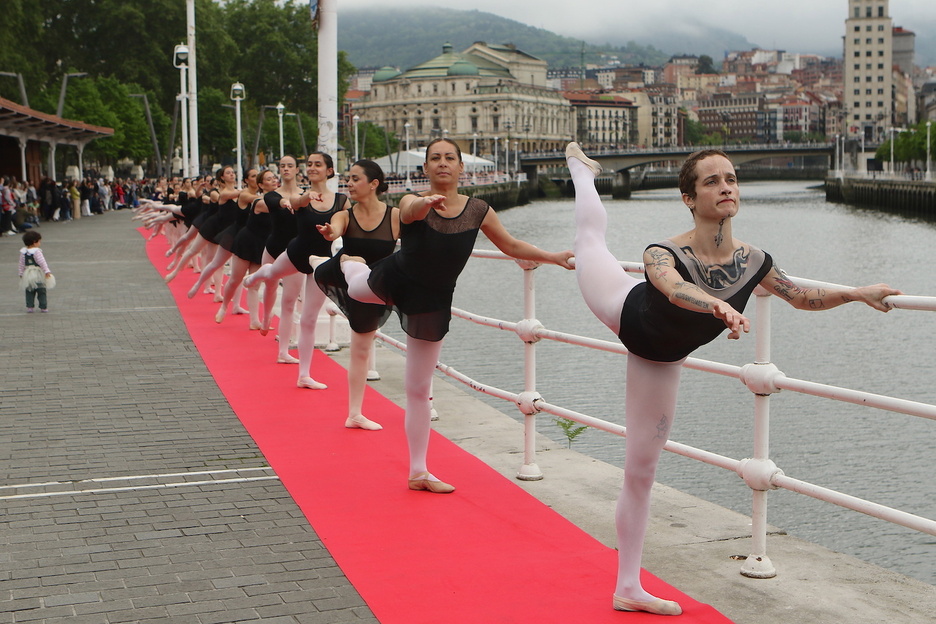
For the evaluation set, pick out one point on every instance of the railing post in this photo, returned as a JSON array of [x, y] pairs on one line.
[[756, 472], [529, 471]]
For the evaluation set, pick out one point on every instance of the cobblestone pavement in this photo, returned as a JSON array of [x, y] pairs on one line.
[[129, 491]]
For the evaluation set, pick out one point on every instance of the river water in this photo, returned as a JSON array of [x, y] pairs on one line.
[[883, 457]]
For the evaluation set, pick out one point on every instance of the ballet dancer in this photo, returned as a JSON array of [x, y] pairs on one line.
[[696, 286], [437, 236], [369, 229]]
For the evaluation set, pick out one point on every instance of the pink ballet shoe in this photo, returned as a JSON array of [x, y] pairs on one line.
[[219, 315], [657, 607], [359, 421], [311, 384], [191, 293], [287, 359], [240, 310], [573, 150], [255, 327], [427, 482]]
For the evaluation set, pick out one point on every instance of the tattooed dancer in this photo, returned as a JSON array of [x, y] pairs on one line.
[[437, 236], [697, 284]]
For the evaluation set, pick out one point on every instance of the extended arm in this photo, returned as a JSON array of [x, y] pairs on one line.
[[415, 208], [777, 283], [516, 248]]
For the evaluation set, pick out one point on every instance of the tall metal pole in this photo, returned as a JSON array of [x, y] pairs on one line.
[[406, 128], [194, 162], [279, 113], [237, 94], [355, 121], [183, 97], [328, 80], [929, 162], [474, 158], [495, 156]]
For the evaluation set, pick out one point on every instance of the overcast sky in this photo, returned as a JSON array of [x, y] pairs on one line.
[[792, 25]]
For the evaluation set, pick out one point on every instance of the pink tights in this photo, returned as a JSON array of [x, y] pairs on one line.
[[651, 386]]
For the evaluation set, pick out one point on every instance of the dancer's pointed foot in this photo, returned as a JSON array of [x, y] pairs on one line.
[[240, 310], [219, 315], [657, 607], [192, 292], [427, 482], [311, 384], [315, 261], [286, 359], [218, 298], [255, 327], [347, 258], [359, 421], [170, 276], [574, 150]]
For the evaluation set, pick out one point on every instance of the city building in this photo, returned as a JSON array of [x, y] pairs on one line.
[[480, 98], [868, 69], [604, 119]]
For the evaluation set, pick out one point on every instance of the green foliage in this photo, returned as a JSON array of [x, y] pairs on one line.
[[706, 65], [373, 141], [396, 36], [126, 47], [570, 428], [909, 145]]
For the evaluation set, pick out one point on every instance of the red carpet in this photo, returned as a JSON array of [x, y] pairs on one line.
[[487, 553]]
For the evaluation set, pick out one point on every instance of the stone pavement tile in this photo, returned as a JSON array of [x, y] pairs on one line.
[[124, 393]]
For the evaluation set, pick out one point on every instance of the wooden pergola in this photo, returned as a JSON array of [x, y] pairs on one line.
[[31, 127]]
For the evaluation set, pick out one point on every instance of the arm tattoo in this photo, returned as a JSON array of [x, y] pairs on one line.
[[688, 296]]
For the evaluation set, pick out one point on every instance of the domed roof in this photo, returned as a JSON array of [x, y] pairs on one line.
[[463, 68], [385, 73]]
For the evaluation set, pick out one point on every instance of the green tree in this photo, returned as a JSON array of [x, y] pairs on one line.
[[706, 65]]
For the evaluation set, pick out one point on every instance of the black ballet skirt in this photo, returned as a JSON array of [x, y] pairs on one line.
[[283, 226], [207, 211], [419, 280], [250, 239], [225, 216], [372, 245], [308, 240], [228, 234]]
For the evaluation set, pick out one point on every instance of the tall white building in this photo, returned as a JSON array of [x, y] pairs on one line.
[[868, 70]]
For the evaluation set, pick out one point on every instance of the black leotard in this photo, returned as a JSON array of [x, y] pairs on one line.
[[372, 245], [232, 219], [308, 241], [657, 330], [419, 280], [282, 224], [250, 240], [208, 210]]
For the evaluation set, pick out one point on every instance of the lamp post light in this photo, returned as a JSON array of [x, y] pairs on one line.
[[495, 155], [474, 158], [280, 109], [180, 61], [355, 120], [406, 128], [238, 93], [517, 156], [22, 86]]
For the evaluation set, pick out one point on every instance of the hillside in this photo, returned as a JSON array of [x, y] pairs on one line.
[[397, 37]]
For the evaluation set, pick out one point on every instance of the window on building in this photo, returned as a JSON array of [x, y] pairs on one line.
[[880, 91], [868, 40], [867, 91], [857, 92], [857, 53], [857, 28], [880, 78], [880, 11], [419, 124], [880, 104], [868, 66], [868, 28], [881, 40], [435, 88], [880, 65], [868, 53], [880, 52], [880, 27], [868, 78], [857, 41], [867, 11]]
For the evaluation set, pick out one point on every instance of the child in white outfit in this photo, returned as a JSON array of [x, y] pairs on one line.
[[34, 273]]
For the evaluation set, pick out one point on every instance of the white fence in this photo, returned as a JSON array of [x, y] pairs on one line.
[[761, 377]]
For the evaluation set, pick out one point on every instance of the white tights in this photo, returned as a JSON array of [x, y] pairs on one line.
[[421, 359], [651, 386]]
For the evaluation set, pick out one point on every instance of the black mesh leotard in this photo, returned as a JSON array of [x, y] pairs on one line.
[[308, 241], [372, 245], [233, 218], [419, 280], [657, 330]]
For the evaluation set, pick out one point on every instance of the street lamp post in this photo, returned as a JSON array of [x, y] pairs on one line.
[[517, 156], [61, 102], [474, 158], [355, 120], [929, 162], [280, 109], [22, 86], [238, 93], [495, 155], [406, 128], [180, 61]]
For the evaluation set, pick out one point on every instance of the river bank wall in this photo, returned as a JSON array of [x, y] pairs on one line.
[[913, 198]]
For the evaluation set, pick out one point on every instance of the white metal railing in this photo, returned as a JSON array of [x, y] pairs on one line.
[[761, 377]]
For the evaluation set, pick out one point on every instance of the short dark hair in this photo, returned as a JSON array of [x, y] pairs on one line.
[[31, 237], [688, 175]]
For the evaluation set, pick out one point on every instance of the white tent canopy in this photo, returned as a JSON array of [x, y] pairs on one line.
[[412, 161]]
